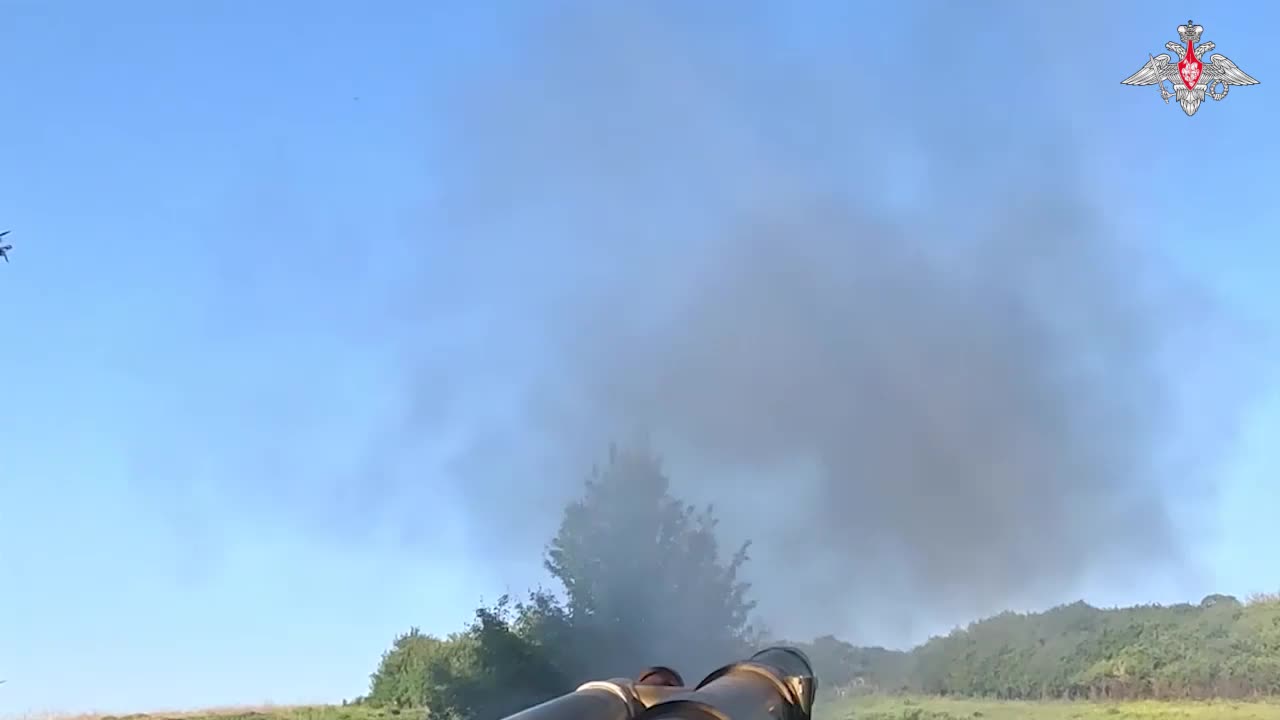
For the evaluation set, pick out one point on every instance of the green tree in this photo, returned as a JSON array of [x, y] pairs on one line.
[[422, 671], [509, 668], [643, 581], [643, 576], [401, 678], [497, 665]]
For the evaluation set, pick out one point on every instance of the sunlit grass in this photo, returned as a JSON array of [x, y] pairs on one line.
[[260, 712], [900, 708]]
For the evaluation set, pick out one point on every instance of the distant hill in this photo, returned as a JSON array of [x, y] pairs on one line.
[[1221, 647]]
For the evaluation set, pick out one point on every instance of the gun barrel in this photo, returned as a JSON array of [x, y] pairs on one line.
[[607, 700], [774, 684]]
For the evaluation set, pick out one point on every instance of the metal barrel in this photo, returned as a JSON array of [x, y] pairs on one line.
[[616, 699], [602, 700], [775, 684]]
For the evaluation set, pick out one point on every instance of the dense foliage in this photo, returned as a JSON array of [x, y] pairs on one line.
[[1218, 648], [497, 666], [642, 582]]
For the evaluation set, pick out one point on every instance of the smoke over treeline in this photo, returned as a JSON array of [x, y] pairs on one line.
[[873, 315]]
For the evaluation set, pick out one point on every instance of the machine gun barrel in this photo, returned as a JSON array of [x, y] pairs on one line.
[[774, 684]]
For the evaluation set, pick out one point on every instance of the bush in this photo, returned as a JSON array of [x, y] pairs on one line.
[[617, 616], [402, 677], [497, 666]]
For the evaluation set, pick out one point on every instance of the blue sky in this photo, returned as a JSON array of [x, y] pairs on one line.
[[216, 212]]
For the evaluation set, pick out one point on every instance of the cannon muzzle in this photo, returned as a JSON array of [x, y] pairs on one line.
[[774, 684]]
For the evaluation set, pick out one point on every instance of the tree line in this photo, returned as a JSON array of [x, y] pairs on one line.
[[1220, 647], [643, 580]]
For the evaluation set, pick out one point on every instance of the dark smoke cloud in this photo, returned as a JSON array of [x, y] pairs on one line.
[[870, 311]]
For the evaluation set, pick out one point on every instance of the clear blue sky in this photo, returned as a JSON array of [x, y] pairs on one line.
[[213, 209]]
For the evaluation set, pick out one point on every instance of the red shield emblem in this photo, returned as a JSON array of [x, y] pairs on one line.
[[1189, 68]]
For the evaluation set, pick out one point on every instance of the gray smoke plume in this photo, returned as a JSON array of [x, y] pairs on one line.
[[868, 311]]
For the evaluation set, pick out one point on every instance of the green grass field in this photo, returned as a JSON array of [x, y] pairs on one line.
[[303, 712], [897, 708]]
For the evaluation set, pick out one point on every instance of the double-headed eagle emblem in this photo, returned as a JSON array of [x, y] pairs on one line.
[[1192, 77]]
